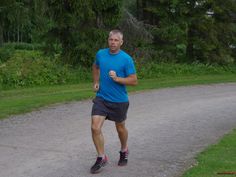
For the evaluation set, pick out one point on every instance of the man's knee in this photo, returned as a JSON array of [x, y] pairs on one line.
[[96, 129], [97, 122], [121, 128]]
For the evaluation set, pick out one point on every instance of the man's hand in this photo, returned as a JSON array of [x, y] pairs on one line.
[[95, 87], [113, 75]]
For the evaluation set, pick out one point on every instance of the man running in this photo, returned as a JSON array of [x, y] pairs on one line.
[[113, 69]]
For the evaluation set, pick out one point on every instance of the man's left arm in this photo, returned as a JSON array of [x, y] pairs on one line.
[[129, 80]]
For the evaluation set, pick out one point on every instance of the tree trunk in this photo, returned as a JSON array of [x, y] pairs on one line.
[[1, 35], [18, 33], [99, 21], [144, 14], [8, 36], [189, 50], [139, 10]]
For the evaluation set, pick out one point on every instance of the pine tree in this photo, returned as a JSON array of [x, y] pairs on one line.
[[196, 30], [225, 26], [167, 26], [5, 6], [15, 21], [80, 27]]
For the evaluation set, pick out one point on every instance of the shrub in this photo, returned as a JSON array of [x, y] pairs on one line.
[[5, 53], [155, 70], [23, 46], [32, 68]]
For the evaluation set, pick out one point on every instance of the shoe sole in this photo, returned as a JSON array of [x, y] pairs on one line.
[[98, 171], [121, 165]]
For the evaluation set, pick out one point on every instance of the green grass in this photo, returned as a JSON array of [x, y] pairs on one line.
[[163, 82], [216, 159], [28, 99], [24, 100]]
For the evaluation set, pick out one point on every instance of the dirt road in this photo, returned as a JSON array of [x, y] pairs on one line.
[[167, 128]]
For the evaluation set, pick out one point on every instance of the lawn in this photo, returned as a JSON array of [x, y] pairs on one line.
[[17, 101], [218, 160]]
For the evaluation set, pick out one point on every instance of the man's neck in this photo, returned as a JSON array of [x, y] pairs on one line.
[[114, 52]]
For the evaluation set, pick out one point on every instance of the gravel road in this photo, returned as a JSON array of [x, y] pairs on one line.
[[167, 128]]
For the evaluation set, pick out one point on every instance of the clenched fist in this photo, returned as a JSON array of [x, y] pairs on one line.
[[95, 87], [113, 75]]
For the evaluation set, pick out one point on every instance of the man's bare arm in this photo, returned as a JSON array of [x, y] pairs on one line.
[[130, 80], [96, 76]]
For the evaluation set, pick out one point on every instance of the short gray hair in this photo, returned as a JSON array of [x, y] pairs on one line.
[[116, 31]]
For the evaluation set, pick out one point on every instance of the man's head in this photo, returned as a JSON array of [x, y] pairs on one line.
[[115, 41]]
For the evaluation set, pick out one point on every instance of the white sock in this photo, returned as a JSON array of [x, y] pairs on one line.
[[103, 156], [124, 150]]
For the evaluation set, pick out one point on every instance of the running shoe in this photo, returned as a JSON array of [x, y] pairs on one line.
[[123, 158], [99, 164]]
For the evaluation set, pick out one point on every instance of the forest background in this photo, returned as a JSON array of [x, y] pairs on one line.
[[47, 48], [54, 42]]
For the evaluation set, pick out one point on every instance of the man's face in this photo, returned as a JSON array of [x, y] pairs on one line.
[[114, 43]]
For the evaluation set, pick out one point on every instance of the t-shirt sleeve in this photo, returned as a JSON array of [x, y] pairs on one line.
[[130, 68]]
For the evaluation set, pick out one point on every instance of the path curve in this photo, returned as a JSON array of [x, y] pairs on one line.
[[167, 128]]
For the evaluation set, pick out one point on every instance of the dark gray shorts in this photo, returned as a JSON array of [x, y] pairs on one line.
[[112, 111]]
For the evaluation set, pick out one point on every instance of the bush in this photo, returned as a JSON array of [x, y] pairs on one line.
[[155, 70], [32, 68], [23, 46], [5, 53]]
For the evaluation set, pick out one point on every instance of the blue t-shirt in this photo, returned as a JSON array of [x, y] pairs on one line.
[[123, 65]]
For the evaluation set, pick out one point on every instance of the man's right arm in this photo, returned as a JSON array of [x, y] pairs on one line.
[[96, 76]]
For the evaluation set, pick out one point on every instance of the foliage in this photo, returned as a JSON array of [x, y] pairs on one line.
[[26, 68], [15, 20], [5, 53], [190, 31], [155, 70], [32, 68], [164, 31], [80, 27], [75, 29], [23, 46]]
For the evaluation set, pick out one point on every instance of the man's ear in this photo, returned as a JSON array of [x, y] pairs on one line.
[[121, 42]]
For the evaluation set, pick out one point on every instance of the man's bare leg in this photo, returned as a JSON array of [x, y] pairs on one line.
[[123, 135], [96, 128]]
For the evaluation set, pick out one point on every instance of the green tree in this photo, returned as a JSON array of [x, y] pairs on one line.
[[16, 23], [225, 25], [80, 26], [5, 5], [167, 27], [210, 31], [197, 30]]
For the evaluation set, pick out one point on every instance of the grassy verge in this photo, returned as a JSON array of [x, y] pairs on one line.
[[28, 99], [218, 160], [25, 100]]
